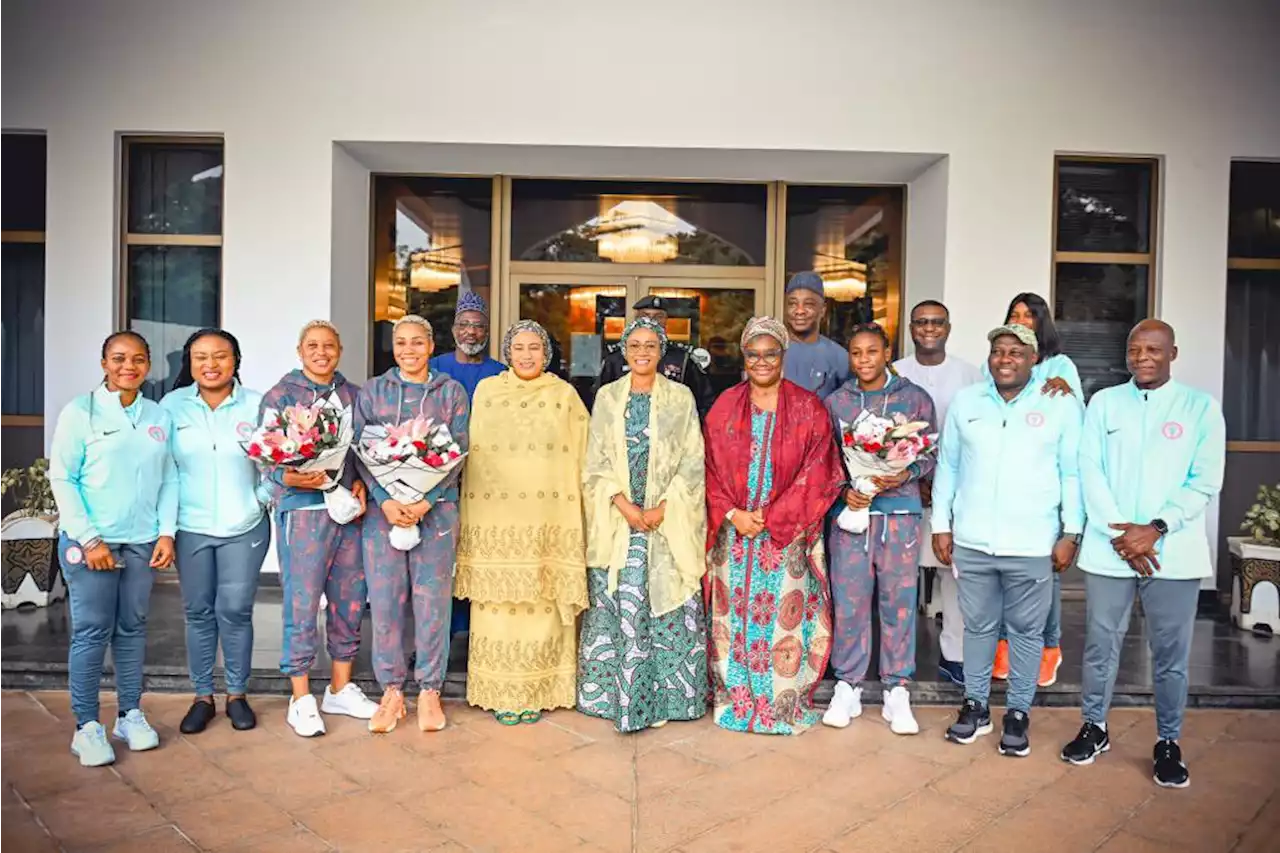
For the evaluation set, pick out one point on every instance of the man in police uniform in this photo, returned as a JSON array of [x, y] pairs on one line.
[[680, 364]]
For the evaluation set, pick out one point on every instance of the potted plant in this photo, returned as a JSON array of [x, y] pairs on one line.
[[30, 539], [1255, 565]]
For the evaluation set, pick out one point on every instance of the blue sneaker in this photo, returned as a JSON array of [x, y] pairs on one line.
[[134, 730], [952, 671], [90, 745]]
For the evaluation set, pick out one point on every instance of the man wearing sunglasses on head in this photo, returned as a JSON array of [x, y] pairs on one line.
[[942, 375]]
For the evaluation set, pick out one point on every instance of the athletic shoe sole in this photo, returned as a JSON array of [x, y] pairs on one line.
[[979, 732], [83, 763], [1053, 679], [1015, 753], [1085, 762], [1183, 784]]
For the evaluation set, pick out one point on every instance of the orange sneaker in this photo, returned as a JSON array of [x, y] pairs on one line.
[[1049, 663], [1000, 669], [390, 711], [430, 713]]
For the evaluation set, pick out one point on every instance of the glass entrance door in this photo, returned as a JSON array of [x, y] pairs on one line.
[[585, 315]]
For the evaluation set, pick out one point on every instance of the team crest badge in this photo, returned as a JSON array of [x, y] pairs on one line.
[[244, 429], [157, 433], [1035, 420], [1172, 430], [75, 556]]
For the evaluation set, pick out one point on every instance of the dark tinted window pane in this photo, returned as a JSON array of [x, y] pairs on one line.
[[22, 191], [173, 291], [1251, 382], [432, 240], [1104, 207], [1095, 307], [852, 236], [23, 296], [1255, 210], [638, 222], [175, 189]]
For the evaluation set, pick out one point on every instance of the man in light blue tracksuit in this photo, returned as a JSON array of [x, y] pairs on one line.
[[1151, 459], [1007, 508]]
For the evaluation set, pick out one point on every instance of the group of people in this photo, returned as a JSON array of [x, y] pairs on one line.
[[663, 555]]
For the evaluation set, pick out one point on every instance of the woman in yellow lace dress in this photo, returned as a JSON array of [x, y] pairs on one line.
[[522, 554]]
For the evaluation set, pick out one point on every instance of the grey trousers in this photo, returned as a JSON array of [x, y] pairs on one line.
[[1170, 610], [1017, 591]]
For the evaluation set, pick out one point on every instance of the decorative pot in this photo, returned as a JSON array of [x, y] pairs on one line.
[[1255, 585], [32, 574]]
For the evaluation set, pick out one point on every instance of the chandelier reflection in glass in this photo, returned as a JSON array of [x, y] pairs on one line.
[[638, 232], [436, 269], [842, 280]]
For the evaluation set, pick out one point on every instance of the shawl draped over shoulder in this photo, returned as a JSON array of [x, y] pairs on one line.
[[677, 557], [807, 471]]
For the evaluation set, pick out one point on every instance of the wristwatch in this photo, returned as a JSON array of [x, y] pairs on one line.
[[1160, 526], [728, 516]]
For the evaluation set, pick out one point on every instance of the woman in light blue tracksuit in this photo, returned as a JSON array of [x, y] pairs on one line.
[[116, 489], [223, 531]]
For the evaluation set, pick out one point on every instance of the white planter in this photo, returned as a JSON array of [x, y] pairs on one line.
[[30, 558], [1255, 585]]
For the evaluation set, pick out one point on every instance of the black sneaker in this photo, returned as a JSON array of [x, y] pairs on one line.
[[242, 716], [1170, 772], [198, 717], [1091, 742], [952, 671], [1014, 742], [973, 721]]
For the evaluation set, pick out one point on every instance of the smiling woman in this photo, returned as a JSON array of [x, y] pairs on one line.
[[116, 488]]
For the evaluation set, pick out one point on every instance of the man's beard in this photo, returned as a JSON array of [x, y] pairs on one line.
[[472, 349]]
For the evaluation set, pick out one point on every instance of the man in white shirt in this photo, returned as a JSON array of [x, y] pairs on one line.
[[942, 376]]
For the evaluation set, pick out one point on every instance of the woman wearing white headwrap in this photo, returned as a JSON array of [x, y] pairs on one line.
[[644, 653], [521, 560]]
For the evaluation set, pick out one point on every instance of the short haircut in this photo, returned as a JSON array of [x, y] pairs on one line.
[[930, 303]]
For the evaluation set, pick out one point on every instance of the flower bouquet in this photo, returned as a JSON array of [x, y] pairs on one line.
[[874, 446], [309, 438], [409, 460]]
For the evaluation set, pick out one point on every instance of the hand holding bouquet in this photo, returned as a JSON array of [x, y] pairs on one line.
[[875, 446], [409, 460], [309, 439]]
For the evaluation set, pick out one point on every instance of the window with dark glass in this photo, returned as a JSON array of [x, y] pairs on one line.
[[23, 218], [433, 240], [1104, 261], [172, 246], [852, 237], [639, 222], [1251, 380]]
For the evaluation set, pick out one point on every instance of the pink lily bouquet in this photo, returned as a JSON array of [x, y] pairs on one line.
[[409, 460], [874, 446], [309, 438]]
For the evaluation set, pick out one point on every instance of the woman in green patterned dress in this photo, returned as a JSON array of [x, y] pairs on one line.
[[643, 653]]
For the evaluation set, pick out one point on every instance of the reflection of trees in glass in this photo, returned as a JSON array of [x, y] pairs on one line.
[[579, 245], [1103, 207], [175, 190]]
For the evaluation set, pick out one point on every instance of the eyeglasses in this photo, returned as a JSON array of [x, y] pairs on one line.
[[772, 356], [467, 326], [926, 322], [649, 346]]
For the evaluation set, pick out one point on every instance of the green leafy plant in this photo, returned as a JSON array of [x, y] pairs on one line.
[[1262, 521], [33, 486]]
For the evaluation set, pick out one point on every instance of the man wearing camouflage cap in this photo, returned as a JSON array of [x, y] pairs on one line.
[[1008, 511]]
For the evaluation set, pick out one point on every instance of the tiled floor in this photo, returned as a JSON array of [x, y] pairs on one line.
[[1227, 666], [570, 784]]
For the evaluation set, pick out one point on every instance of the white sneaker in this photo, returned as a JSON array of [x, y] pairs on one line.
[[846, 705], [134, 730], [304, 717], [91, 747], [897, 712], [350, 701]]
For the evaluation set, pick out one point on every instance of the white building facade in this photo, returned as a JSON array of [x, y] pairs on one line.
[[969, 111]]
